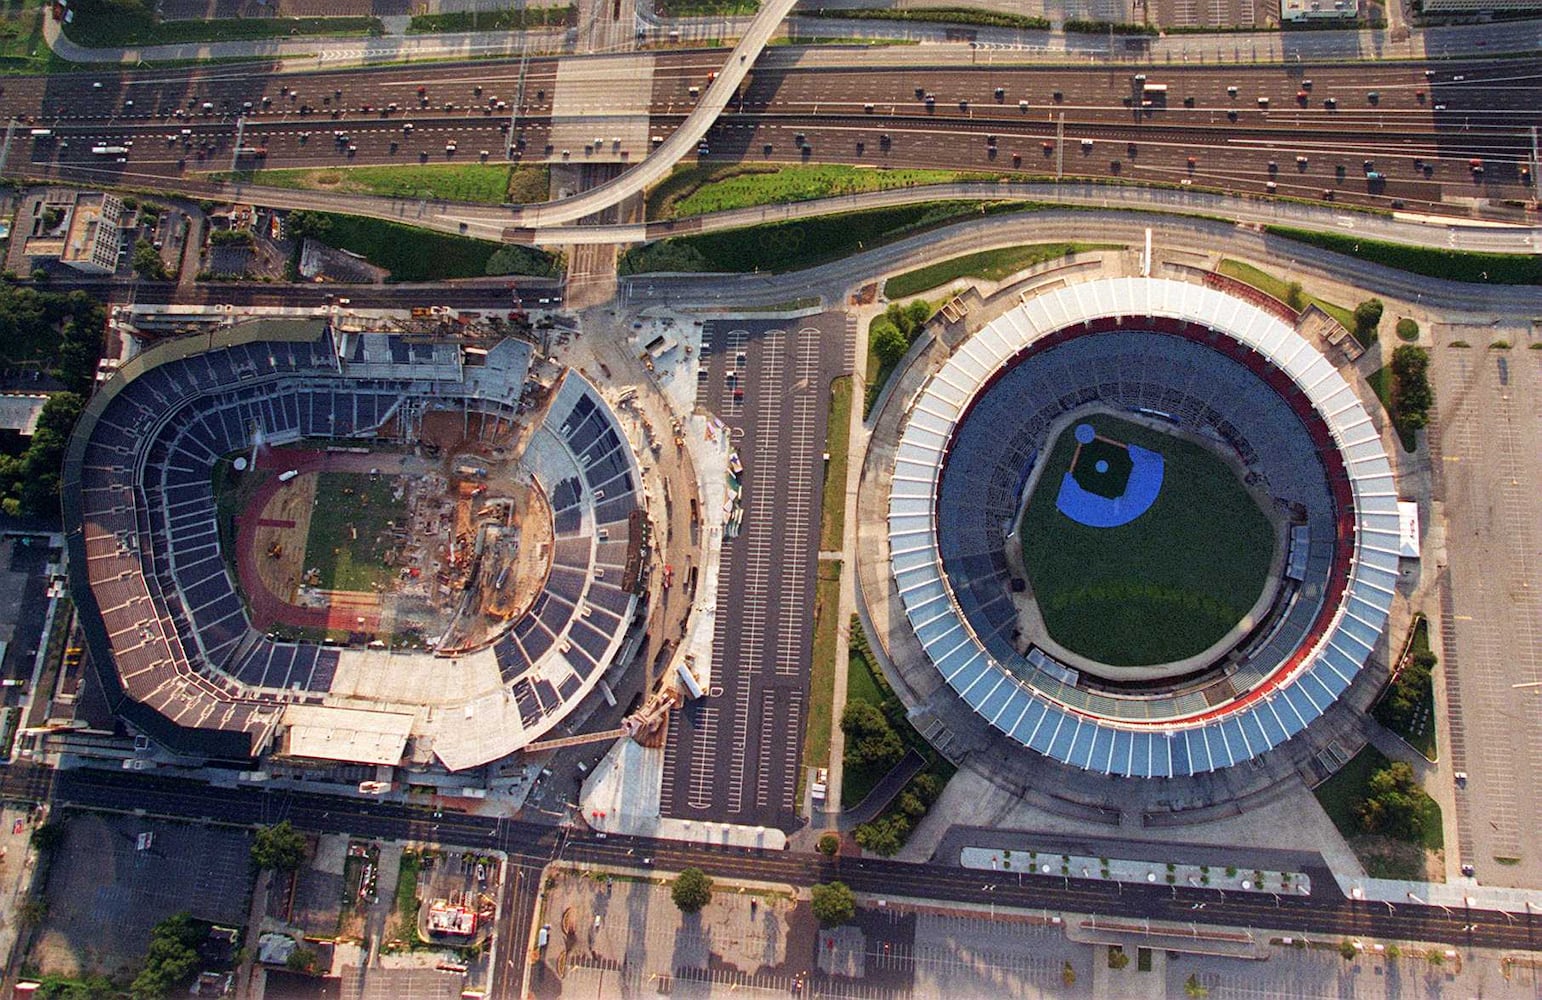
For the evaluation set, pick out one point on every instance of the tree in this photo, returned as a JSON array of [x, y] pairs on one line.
[[1194, 988], [32, 911], [48, 837], [889, 344], [1117, 958], [171, 959], [692, 890], [147, 261], [299, 225], [883, 836], [870, 740], [1294, 297], [1392, 805], [280, 847], [1411, 392], [833, 904], [1347, 950], [1068, 974], [829, 845], [1367, 319], [928, 786], [302, 960]]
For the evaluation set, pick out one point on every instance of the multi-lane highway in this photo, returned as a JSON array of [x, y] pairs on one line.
[[1384, 135]]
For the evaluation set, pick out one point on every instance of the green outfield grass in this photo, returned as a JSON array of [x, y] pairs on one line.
[[1168, 584], [348, 537]]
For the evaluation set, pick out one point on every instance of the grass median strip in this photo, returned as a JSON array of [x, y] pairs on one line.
[[106, 24], [989, 265], [699, 190], [1433, 262], [832, 529], [485, 183], [801, 243], [827, 621], [413, 254], [1287, 292]]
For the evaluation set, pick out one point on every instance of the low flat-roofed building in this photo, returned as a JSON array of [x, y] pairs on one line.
[[445, 917], [1318, 10], [19, 411], [1479, 6]]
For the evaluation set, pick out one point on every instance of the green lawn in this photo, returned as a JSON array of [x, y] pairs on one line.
[[22, 48], [700, 189], [1421, 733], [1433, 262], [832, 524], [990, 265], [801, 243], [492, 20], [1380, 381], [116, 23], [827, 620], [865, 682], [939, 15], [1341, 795], [1278, 287], [348, 538], [486, 183], [413, 254], [1166, 585]]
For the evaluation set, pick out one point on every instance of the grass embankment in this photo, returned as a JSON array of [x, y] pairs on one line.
[[413, 254], [802, 243], [821, 687], [937, 15], [1380, 381], [1416, 726], [865, 682], [704, 8], [1342, 797], [988, 265], [486, 183], [1453, 265], [349, 536], [832, 525], [105, 24], [493, 20], [22, 48], [1286, 292], [698, 190], [1164, 586]]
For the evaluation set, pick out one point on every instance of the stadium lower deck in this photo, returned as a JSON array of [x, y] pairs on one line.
[[1208, 363], [167, 627]]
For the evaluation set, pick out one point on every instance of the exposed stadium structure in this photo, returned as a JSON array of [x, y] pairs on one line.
[[1214, 368], [166, 626]]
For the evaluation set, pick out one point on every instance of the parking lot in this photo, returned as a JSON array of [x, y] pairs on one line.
[[1488, 463], [734, 756], [109, 885]]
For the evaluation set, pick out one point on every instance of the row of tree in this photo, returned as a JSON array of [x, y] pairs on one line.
[[1412, 396], [833, 903]]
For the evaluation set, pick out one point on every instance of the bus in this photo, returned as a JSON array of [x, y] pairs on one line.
[[42, 133], [110, 150]]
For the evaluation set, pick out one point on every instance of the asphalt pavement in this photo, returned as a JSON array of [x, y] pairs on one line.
[[1325, 913]]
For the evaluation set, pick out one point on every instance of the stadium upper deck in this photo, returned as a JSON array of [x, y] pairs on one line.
[[1212, 364], [168, 631]]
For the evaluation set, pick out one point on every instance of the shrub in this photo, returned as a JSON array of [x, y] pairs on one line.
[[829, 845], [1407, 329]]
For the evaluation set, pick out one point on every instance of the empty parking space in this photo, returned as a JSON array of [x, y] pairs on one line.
[[1488, 458]]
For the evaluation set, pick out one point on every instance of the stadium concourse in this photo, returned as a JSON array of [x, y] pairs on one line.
[[167, 629], [1212, 367]]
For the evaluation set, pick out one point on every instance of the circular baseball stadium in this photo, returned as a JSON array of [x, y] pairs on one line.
[[1142, 527]]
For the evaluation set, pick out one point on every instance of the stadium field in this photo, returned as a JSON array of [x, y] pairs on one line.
[[1164, 586], [349, 534]]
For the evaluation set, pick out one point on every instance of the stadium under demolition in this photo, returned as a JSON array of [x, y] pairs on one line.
[[346, 549]]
